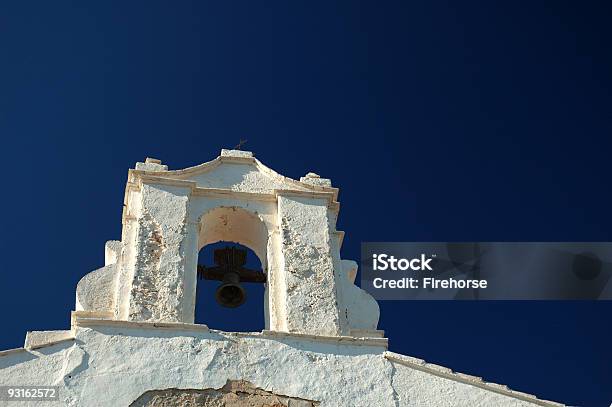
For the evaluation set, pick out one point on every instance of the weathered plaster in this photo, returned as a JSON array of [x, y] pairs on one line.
[[359, 308], [39, 339], [151, 164], [311, 298], [108, 365], [96, 290], [132, 337], [170, 215], [157, 291], [239, 177], [314, 179]]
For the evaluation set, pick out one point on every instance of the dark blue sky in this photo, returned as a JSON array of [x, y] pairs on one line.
[[442, 121]]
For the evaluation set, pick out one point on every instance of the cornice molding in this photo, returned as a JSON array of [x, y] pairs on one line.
[[81, 321], [149, 179]]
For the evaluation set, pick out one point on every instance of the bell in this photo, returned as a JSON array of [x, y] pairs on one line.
[[230, 293], [230, 270]]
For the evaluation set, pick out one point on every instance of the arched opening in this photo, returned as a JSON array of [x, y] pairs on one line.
[[232, 243], [248, 316]]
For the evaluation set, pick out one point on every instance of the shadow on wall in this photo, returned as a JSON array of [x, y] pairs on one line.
[[248, 317]]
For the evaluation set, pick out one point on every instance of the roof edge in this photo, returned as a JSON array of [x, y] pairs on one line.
[[447, 373]]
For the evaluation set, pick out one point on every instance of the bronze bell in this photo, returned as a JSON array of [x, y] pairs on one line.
[[230, 270], [230, 293]]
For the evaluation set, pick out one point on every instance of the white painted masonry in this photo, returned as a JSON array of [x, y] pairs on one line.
[[133, 341]]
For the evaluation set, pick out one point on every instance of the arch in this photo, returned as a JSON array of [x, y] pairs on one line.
[[237, 225], [234, 224]]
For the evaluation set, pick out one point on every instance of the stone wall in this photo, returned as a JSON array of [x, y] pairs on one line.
[[233, 394]]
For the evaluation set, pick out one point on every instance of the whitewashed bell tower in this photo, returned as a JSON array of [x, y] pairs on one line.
[[132, 340], [291, 226]]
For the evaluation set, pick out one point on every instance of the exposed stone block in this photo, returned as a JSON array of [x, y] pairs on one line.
[[233, 394]]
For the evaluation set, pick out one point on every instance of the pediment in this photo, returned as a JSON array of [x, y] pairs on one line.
[[243, 177], [236, 172]]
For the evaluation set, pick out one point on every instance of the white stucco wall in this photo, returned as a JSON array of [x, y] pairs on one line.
[[132, 331], [113, 364]]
